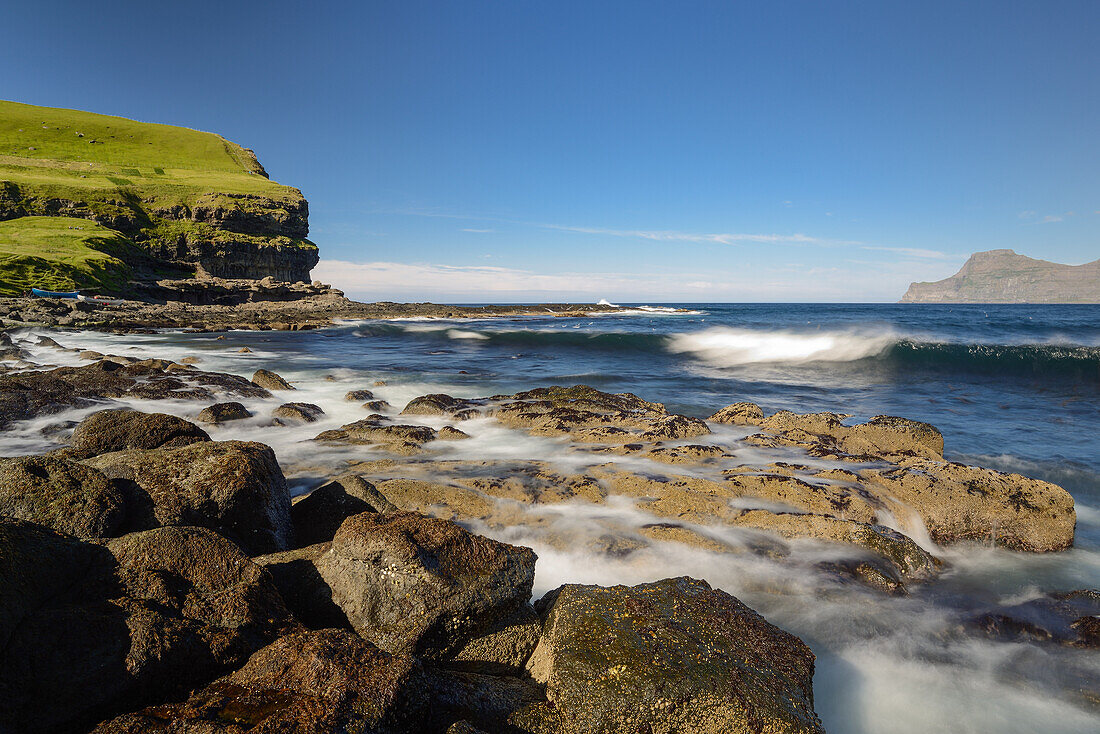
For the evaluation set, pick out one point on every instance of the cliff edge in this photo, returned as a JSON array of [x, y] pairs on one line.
[[1004, 276], [190, 202]]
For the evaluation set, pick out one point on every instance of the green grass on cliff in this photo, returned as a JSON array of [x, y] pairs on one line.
[[57, 153], [59, 253]]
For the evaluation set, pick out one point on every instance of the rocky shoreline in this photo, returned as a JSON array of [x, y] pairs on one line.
[[214, 304], [154, 579]]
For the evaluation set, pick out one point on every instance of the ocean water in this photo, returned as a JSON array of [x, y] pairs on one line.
[[1015, 388]]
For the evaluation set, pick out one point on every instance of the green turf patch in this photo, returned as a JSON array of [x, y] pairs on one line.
[[62, 254]]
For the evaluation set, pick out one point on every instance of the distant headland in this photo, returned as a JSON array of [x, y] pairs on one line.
[[1004, 276]]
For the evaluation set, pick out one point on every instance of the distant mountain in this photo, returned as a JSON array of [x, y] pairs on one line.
[[1003, 276]]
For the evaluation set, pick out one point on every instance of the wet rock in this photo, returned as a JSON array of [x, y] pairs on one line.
[[481, 702], [354, 396], [450, 433], [90, 631], [300, 584], [233, 487], [223, 413], [440, 404], [26, 395], [587, 414], [1069, 618], [121, 429], [298, 412], [377, 430], [323, 682], [961, 503], [318, 515], [882, 436], [410, 583], [62, 495], [270, 381], [674, 655], [375, 405], [190, 360], [739, 414]]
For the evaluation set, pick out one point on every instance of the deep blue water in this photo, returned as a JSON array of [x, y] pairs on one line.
[[999, 380]]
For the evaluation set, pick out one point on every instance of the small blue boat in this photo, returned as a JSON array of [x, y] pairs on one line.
[[54, 294]]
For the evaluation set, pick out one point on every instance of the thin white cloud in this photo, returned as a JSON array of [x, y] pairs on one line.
[[1049, 218], [914, 252], [478, 231], [720, 238]]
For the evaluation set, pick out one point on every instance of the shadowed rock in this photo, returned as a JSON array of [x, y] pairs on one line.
[[1070, 618], [61, 494], [322, 682], [89, 631], [318, 515], [233, 487]]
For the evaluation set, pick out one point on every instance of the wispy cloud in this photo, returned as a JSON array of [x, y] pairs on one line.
[[1049, 218], [477, 231], [660, 235], [914, 252]]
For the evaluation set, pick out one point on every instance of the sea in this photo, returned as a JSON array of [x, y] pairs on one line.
[[1011, 387]]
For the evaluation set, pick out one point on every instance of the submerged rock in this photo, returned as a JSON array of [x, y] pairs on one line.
[[674, 655], [61, 494], [323, 682], [233, 487], [1069, 618], [90, 631], [223, 413], [121, 429]]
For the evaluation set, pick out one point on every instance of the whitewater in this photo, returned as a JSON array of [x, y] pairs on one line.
[[1015, 388]]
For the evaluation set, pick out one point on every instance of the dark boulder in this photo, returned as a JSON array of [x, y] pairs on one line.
[[121, 429], [1067, 618], [61, 494], [233, 487], [321, 682], [89, 631], [298, 412], [223, 413], [440, 404], [318, 515], [355, 396], [411, 583], [674, 655]]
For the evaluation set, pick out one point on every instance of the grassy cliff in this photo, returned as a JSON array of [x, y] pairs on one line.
[[190, 198]]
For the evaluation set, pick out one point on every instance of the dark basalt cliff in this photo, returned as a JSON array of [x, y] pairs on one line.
[[1003, 276]]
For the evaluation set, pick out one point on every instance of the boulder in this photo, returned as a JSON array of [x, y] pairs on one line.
[[318, 682], [377, 430], [440, 404], [270, 381], [223, 413], [298, 412], [121, 429], [90, 631], [961, 503], [61, 494], [375, 406], [739, 414], [302, 587], [503, 648], [450, 433], [881, 436], [318, 515], [410, 583], [670, 656], [355, 396], [233, 487]]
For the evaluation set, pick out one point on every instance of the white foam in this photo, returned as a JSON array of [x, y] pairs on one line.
[[723, 346]]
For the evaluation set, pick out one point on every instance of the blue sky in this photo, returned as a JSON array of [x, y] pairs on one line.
[[638, 151]]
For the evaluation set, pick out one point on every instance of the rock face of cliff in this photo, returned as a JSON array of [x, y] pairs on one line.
[[194, 202], [1003, 276]]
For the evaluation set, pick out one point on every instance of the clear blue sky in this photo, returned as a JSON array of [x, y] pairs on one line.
[[704, 151]]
